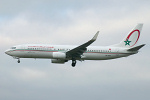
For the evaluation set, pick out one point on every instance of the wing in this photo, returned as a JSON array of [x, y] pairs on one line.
[[78, 51]]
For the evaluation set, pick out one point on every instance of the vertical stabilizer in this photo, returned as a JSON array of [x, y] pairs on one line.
[[132, 38]]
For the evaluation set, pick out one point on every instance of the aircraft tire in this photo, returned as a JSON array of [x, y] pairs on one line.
[[18, 61]]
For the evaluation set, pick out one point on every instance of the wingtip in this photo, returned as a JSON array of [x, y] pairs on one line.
[[97, 32], [95, 36]]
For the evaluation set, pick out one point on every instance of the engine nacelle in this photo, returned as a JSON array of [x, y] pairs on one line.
[[58, 61], [59, 55]]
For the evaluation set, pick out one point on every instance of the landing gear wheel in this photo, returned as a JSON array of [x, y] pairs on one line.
[[73, 63], [18, 60]]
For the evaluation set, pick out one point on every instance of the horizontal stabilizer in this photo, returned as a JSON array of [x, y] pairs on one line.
[[136, 48]]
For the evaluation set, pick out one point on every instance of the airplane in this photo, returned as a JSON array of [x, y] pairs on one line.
[[60, 54]]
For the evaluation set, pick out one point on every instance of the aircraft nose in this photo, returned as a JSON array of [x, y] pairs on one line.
[[7, 52]]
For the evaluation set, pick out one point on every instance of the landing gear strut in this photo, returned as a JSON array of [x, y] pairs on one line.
[[73, 63], [18, 61]]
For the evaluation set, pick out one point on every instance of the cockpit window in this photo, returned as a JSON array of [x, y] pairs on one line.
[[13, 47]]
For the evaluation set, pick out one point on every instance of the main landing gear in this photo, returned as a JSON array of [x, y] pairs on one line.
[[18, 61], [73, 63]]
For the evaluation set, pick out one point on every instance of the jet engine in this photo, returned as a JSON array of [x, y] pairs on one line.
[[59, 55]]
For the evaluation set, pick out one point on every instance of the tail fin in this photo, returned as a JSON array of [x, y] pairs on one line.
[[132, 38]]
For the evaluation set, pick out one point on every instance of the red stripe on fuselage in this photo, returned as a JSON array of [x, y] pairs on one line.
[[84, 52]]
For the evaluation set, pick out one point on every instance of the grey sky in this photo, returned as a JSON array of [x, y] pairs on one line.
[[73, 22]]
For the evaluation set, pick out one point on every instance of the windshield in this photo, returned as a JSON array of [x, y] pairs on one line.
[[13, 47]]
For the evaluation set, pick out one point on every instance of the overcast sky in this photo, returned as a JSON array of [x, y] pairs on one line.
[[73, 22]]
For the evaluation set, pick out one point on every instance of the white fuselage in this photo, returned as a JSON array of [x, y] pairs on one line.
[[46, 51], [62, 53]]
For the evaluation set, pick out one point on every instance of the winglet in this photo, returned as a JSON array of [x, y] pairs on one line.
[[95, 36], [78, 51]]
